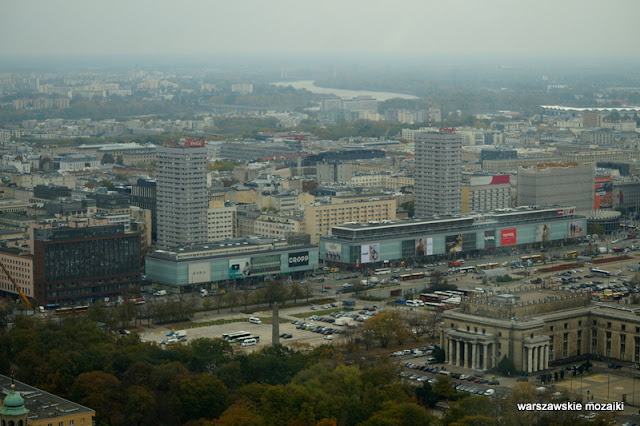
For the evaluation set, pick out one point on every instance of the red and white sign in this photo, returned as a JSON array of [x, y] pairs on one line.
[[447, 129], [508, 237], [194, 143], [565, 212]]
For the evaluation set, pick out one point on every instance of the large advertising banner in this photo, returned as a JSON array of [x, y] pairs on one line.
[[543, 233], [508, 237], [604, 193], [575, 229], [199, 272], [489, 239], [460, 242], [300, 258], [424, 247], [333, 251], [453, 243], [239, 268], [369, 253]]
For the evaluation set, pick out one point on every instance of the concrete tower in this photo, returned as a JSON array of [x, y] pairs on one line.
[[181, 194], [438, 173]]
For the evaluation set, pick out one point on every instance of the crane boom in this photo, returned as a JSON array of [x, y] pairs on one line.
[[22, 295]]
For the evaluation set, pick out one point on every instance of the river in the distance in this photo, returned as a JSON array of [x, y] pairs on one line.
[[343, 93]]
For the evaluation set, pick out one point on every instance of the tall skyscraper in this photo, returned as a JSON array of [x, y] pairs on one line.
[[181, 194], [438, 173]]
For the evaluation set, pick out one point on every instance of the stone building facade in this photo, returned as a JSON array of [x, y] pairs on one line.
[[535, 328]]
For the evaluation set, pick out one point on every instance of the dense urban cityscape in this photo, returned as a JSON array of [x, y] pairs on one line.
[[399, 237]]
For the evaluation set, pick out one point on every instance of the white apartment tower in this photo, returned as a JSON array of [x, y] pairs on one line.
[[181, 194], [438, 173]]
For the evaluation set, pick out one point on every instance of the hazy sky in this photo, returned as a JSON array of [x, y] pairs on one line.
[[556, 27]]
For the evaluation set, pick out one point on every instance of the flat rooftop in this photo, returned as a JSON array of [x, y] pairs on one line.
[[44, 405]]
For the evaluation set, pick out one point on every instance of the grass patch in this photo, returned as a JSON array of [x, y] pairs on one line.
[[214, 322], [322, 312], [269, 320]]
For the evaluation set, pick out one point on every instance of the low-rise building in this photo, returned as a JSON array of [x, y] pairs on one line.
[[535, 329], [242, 260]]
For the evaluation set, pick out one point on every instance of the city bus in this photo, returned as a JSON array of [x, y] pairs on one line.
[[242, 339], [600, 272], [572, 255], [434, 306], [417, 275], [467, 269], [405, 277], [486, 266], [532, 259], [236, 335], [71, 310], [382, 271], [431, 298]]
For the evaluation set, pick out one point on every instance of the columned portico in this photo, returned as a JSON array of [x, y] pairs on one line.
[[537, 354], [472, 350]]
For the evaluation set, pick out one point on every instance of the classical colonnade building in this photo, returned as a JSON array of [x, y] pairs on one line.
[[536, 328]]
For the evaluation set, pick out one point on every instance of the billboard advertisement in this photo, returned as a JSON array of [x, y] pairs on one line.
[[239, 268], [508, 237], [300, 258], [199, 272], [575, 229], [489, 239], [424, 247], [333, 251], [369, 253], [543, 233], [460, 242], [604, 193]]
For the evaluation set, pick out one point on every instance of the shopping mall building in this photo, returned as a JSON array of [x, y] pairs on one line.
[[405, 242], [248, 260]]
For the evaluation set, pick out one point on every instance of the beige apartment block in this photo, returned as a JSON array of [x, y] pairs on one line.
[[277, 226], [19, 263], [320, 218]]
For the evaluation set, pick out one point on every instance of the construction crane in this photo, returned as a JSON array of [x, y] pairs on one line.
[[22, 295]]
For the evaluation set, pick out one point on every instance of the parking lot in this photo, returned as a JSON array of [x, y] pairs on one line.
[[315, 325]]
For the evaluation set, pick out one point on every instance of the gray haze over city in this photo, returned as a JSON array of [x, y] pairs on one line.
[[460, 27]]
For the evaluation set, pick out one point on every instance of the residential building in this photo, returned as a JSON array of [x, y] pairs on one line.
[[438, 173], [221, 221], [181, 193], [486, 193], [320, 217]]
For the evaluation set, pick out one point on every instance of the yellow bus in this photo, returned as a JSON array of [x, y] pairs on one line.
[[572, 255]]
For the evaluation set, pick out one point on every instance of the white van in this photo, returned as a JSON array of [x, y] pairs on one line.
[[249, 342], [254, 320]]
